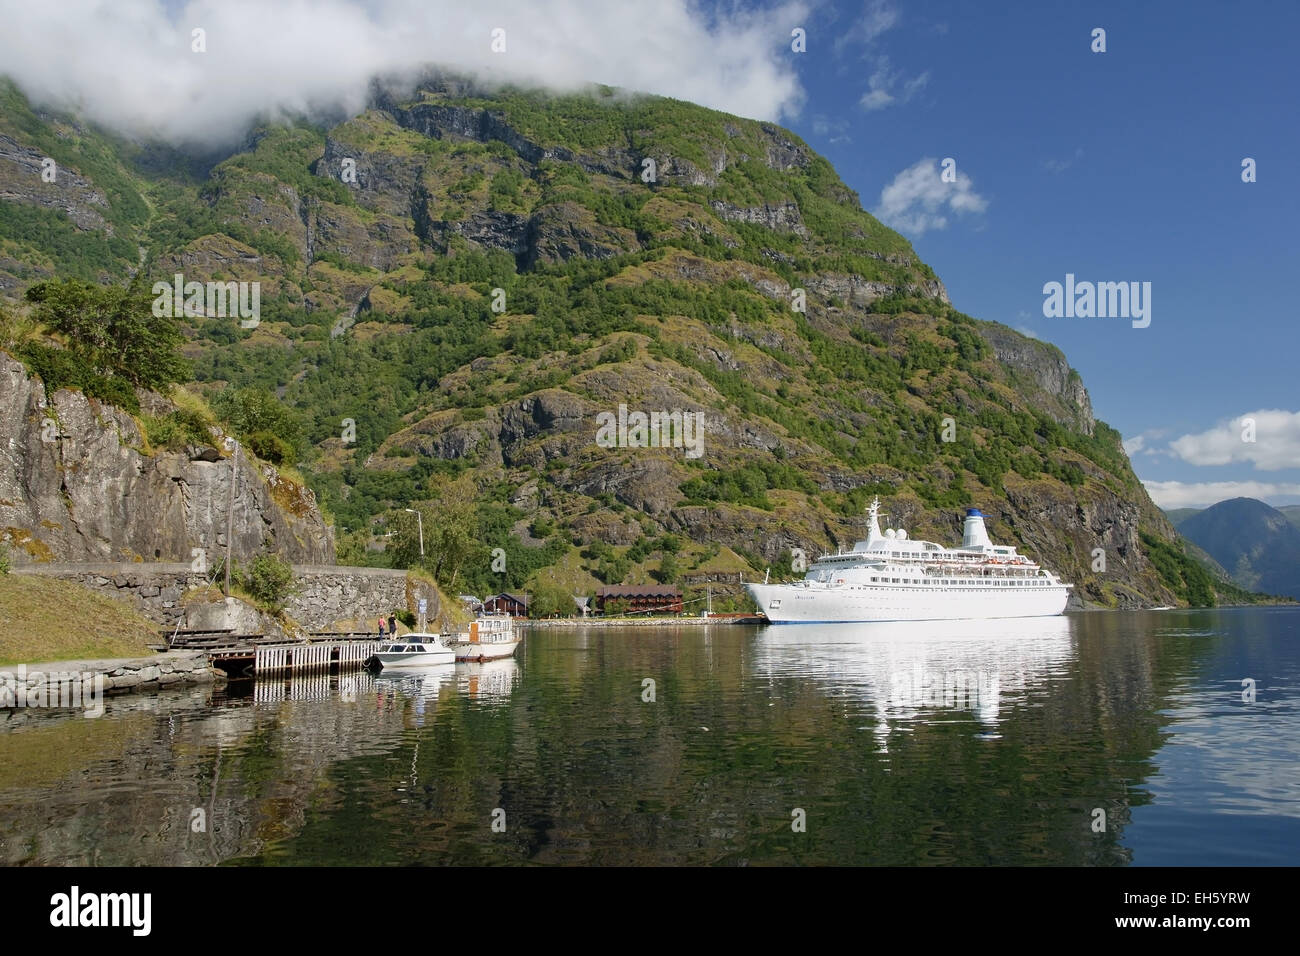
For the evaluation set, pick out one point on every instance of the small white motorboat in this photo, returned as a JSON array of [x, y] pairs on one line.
[[414, 650], [489, 637]]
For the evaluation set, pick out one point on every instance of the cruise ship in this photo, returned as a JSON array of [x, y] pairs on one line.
[[891, 577]]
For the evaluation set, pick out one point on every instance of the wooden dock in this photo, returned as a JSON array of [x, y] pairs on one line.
[[257, 655], [324, 656]]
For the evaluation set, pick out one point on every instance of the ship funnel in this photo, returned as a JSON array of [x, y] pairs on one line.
[[974, 534]]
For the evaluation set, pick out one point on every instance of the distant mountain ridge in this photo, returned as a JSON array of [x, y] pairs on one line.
[[1292, 513], [1257, 544]]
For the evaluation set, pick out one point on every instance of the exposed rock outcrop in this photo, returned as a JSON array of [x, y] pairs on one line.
[[69, 193], [1046, 366], [77, 484]]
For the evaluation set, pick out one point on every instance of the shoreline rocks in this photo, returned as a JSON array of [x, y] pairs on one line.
[[82, 684]]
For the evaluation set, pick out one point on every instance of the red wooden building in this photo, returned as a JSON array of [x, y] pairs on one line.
[[648, 598], [515, 605]]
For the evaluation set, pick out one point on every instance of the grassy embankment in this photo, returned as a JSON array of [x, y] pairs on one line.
[[46, 619]]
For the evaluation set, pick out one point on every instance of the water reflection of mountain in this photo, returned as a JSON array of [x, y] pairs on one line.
[[997, 747], [922, 670], [200, 776]]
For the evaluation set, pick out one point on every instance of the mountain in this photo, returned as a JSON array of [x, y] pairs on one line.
[[1292, 513], [1177, 516], [458, 286], [1255, 542]]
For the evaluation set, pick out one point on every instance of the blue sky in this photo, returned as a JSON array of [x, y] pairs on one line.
[[1122, 166], [1115, 166]]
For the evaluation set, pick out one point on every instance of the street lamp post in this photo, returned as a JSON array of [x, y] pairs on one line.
[[230, 508], [419, 518]]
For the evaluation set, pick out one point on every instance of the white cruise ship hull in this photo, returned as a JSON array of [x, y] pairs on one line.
[[812, 603]]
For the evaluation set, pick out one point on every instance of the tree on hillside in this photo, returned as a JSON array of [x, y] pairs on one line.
[[548, 599], [455, 519], [270, 429], [668, 570], [450, 539], [403, 547], [113, 330]]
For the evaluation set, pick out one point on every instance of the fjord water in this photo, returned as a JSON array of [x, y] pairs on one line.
[[915, 744]]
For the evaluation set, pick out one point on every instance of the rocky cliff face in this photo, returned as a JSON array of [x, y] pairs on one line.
[[1045, 367], [69, 193], [77, 484]]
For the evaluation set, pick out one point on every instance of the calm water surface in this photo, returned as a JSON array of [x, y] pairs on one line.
[[912, 744]]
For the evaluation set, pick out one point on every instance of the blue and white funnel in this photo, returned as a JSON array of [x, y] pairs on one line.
[[974, 534]]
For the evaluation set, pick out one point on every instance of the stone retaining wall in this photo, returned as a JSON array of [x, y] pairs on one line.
[[326, 596]]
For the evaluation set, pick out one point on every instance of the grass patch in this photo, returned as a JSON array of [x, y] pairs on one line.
[[48, 619]]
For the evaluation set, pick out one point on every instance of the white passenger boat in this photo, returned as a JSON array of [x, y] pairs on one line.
[[414, 650], [889, 577], [489, 637]]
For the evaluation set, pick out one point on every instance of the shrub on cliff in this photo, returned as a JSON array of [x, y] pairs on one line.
[[15, 328], [113, 330], [58, 368], [184, 426], [268, 428], [269, 581]]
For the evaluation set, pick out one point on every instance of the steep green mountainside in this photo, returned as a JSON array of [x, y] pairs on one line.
[[456, 283]]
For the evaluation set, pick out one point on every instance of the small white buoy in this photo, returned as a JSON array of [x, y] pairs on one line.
[[704, 728]]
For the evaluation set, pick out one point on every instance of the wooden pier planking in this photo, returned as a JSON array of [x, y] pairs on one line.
[[298, 658]]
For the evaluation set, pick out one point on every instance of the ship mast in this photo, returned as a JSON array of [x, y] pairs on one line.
[[873, 529]]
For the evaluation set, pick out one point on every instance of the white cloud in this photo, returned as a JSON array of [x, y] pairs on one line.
[[1276, 443], [887, 87], [833, 130], [1145, 443], [128, 63], [878, 17], [1061, 165], [918, 199], [1179, 494]]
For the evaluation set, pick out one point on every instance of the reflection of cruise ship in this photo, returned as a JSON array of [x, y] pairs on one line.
[[920, 672], [889, 577]]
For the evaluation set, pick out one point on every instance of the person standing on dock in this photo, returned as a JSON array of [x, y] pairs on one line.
[[381, 628], [392, 626]]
